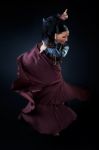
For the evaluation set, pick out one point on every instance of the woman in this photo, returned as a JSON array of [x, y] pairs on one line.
[[40, 81]]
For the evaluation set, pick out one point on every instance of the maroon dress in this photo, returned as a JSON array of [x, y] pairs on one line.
[[41, 83]]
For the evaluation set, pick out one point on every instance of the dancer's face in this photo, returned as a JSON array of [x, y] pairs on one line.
[[62, 37]]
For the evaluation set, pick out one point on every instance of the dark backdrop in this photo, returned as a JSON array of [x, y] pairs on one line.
[[20, 29]]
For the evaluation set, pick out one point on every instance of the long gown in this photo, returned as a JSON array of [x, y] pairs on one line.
[[42, 84]]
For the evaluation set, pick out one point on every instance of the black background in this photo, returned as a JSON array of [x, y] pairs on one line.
[[20, 29]]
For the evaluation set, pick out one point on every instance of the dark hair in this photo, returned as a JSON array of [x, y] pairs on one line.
[[52, 25]]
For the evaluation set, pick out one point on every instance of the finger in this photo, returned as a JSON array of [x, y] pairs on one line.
[[66, 10]]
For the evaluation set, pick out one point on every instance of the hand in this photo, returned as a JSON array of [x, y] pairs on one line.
[[43, 47], [64, 16]]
